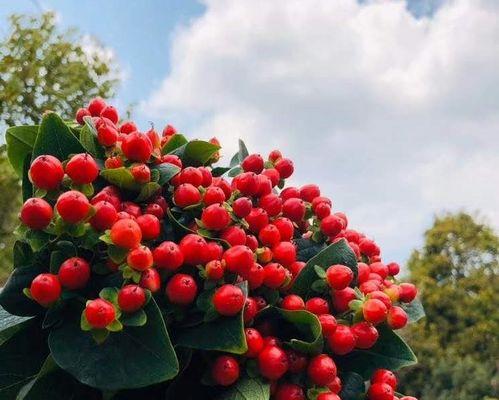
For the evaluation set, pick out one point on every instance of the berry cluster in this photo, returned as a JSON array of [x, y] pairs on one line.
[[238, 253]]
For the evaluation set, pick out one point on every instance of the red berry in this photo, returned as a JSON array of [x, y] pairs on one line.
[[238, 259], [374, 311], [213, 195], [140, 258], [341, 298], [149, 226], [274, 156], [335, 386], [194, 249], [285, 227], [214, 270], [215, 217], [36, 213], [363, 272], [45, 289], [155, 209], [292, 302], [82, 169], [309, 192], [328, 396], [99, 313], [271, 203], [141, 173], [131, 208], [368, 247], [207, 176], [169, 130], [273, 362], [284, 253], [247, 183], [186, 195], [234, 235], [107, 135], [285, 168], [331, 225], [384, 376], [225, 370], [254, 341], [380, 391], [366, 335], [294, 209], [255, 276], [154, 138], [381, 296], [257, 219], [289, 391], [322, 210], [250, 310], [242, 207], [137, 147], [228, 300], [150, 280], [131, 298], [253, 163], [408, 292], [328, 324], [126, 233], [379, 268], [74, 273], [297, 361], [321, 369], [290, 192], [73, 206], [80, 114], [397, 318], [269, 235], [342, 340], [181, 289], [96, 106], [168, 256], [273, 175], [105, 216], [275, 275], [191, 175], [393, 268], [214, 251], [317, 306], [339, 276], [113, 162], [46, 172], [109, 194], [128, 127]]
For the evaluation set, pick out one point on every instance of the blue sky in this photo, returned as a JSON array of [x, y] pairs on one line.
[[390, 106]]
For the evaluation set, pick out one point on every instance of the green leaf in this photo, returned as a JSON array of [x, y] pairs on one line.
[[235, 172], [138, 318], [306, 249], [20, 141], [336, 253], [120, 177], [10, 324], [12, 297], [88, 139], [22, 254], [56, 259], [109, 294], [117, 254], [55, 138], [219, 171], [166, 172], [147, 191], [300, 329], [321, 272], [133, 358], [27, 186], [241, 154], [175, 142], [224, 334], [389, 352], [352, 386], [247, 389], [196, 152], [414, 310]]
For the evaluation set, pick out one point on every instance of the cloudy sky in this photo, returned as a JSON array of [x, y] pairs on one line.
[[391, 106]]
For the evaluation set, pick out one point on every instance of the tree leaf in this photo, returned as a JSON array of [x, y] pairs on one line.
[[20, 141], [241, 154], [120, 177], [147, 191], [336, 253], [247, 389], [22, 254], [12, 297], [196, 152], [415, 310], [138, 318], [88, 139], [133, 358], [390, 352], [352, 386], [10, 324], [55, 138], [300, 329], [27, 186], [224, 334], [166, 172], [306, 249], [219, 171], [175, 142]]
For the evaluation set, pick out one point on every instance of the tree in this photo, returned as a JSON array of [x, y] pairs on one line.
[[42, 68], [457, 271]]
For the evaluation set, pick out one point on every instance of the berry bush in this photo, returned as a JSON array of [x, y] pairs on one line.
[[144, 268]]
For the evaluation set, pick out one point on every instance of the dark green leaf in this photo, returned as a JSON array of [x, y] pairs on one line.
[[235, 172], [247, 389], [241, 154], [224, 334], [88, 139], [138, 318], [22, 254], [55, 138], [414, 310], [352, 386], [10, 324], [175, 142], [12, 297], [306, 249], [336, 253], [389, 352], [117, 254], [196, 152], [166, 172], [135, 357], [56, 259], [20, 141], [120, 177], [27, 186], [147, 191], [219, 171]]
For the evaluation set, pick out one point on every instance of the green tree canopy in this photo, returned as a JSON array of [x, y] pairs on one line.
[[457, 272], [43, 68]]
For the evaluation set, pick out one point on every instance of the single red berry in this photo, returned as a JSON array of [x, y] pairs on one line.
[[309, 192], [109, 194], [131, 208], [257, 219], [285, 227], [82, 169], [264, 186], [46, 172], [105, 216], [294, 209], [254, 341], [379, 268], [214, 270], [128, 127], [149, 226], [168, 256], [141, 173], [322, 210], [247, 183], [285, 168], [370, 286], [36, 213], [45, 289], [328, 324], [113, 162], [99, 313], [126, 233], [297, 361], [328, 396], [213, 195], [341, 299], [264, 255], [273, 362], [342, 340], [74, 273], [214, 251], [96, 106], [317, 306], [191, 175], [374, 311], [215, 217], [366, 335], [275, 275], [137, 147], [335, 386], [255, 276], [238, 259], [131, 298], [169, 130], [339, 276], [80, 114], [271, 203], [397, 318], [186, 195], [250, 310], [289, 391], [290, 192], [408, 292], [269, 235], [252, 242], [273, 175], [242, 207], [181, 289], [150, 280], [207, 176], [363, 272], [228, 300], [380, 391], [234, 235], [321, 370], [331, 225], [292, 302], [368, 247], [154, 138], [73, 206], [225, 370], [253, 163], [194, 249], [284, 253], [140, 258], [107, 134], [384, 376], [393, 268], [155, 209], [379, 295]]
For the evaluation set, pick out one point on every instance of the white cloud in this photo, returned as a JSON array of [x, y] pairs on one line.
[[395, 117]]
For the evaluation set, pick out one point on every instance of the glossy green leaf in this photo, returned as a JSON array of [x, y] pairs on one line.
[[22, 254], [241, 154], [27, 186], [88, 139], [20, 141], [120, 177], [135, 357], [10, 324], [415, 310], [247, 389], [166, 172], [307, 248], [147, 191], [196, 152], [175, 142], [336, 253], [352, 386]]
